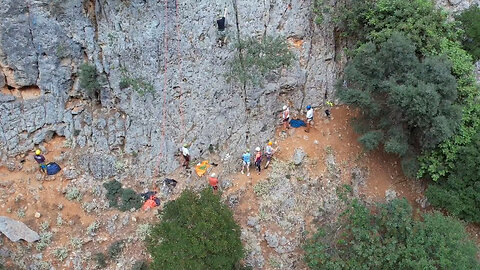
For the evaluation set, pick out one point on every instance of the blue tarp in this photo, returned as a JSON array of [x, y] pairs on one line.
[[296, 123], [53, 168]]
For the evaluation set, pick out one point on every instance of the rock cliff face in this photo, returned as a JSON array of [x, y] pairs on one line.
[[169, 44], [172, 45]]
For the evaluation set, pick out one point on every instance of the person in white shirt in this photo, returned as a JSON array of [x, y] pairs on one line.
[[309, 118], [186, 156], [286, 117]]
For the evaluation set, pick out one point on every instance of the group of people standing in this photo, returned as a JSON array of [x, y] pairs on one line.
[[258, 157]]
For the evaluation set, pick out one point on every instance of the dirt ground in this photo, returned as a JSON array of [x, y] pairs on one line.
[[22, 190]]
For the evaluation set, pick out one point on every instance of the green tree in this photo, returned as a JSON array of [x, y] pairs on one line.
[[256, 59], [406, 103], [375, 21], [89, 81], [389, 238], [471, 27], [460, 192], [197, 232]]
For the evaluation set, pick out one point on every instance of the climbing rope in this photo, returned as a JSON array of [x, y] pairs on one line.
[[165, 82], [179, 56]]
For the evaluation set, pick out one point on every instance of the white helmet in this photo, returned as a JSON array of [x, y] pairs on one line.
[[212, 175], [257, 149], [285, 107]]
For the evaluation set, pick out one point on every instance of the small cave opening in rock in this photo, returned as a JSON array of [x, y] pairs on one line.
[[30, 92]]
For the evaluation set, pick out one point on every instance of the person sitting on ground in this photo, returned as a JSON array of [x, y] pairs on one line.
[[40, 159], [286, 117], [186, 156], [258, 159], [213, 182], [246, 161], [309, 118], [269, 153]]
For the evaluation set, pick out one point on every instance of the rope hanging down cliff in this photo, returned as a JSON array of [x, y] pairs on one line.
[[165, 82]]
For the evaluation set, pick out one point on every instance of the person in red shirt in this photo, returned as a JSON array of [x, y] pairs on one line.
[[258, 159], [213, 182]]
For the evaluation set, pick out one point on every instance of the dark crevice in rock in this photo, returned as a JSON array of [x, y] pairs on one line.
[[30, 27]]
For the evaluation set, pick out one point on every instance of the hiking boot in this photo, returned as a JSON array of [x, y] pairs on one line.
[[248, 174], [242, 172]]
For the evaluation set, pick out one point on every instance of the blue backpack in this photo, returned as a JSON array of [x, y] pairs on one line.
[[53, 168]]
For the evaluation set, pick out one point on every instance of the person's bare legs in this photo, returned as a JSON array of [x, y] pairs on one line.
[[248, 169]]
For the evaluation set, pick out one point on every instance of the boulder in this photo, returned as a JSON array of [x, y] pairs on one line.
[[298, 156], [16, 230]]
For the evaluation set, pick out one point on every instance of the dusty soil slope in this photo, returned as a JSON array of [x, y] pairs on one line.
[[276, 208]]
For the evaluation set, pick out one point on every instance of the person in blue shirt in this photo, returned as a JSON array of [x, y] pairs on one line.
[[246, 161]]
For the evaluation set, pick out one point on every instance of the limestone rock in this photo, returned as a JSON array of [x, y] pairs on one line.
[[390, 195], [298, 156], [16, 230]]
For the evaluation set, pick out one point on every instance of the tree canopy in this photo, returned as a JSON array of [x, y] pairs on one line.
[[197, 231], [388, 237], [407, 103]]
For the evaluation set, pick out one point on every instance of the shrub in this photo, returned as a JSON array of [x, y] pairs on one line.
[[93, 228], [139, 85], [257, 58], [60, 253], [471, 27], [44, 241], [371, 139], [389, 238], [89, 81], [100, 259], [73, 194], [407, 103], [459, 193], [128, 197], [114, 191], [116, 248], [197, 232]]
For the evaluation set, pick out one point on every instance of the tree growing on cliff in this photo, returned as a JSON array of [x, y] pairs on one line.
[[407, 104], [388, 237], [89, 81], [256, 59], [197, 231]]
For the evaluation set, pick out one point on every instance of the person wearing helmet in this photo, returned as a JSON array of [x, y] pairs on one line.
[[40, 159], [258, 159], [186, 156], [213, 182], [268, 153], [286, 117], [309, 118], [246, 161]]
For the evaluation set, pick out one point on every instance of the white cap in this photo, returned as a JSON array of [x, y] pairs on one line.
[[257, 149], [285, 107], [212, 175]]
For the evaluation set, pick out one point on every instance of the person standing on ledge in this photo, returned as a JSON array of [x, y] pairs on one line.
[[186, 156], [309, 118], [213, 182], [40, 159], [286, 117]]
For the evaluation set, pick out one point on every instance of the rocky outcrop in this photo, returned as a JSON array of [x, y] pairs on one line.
[[170, 45], [16, 230]]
